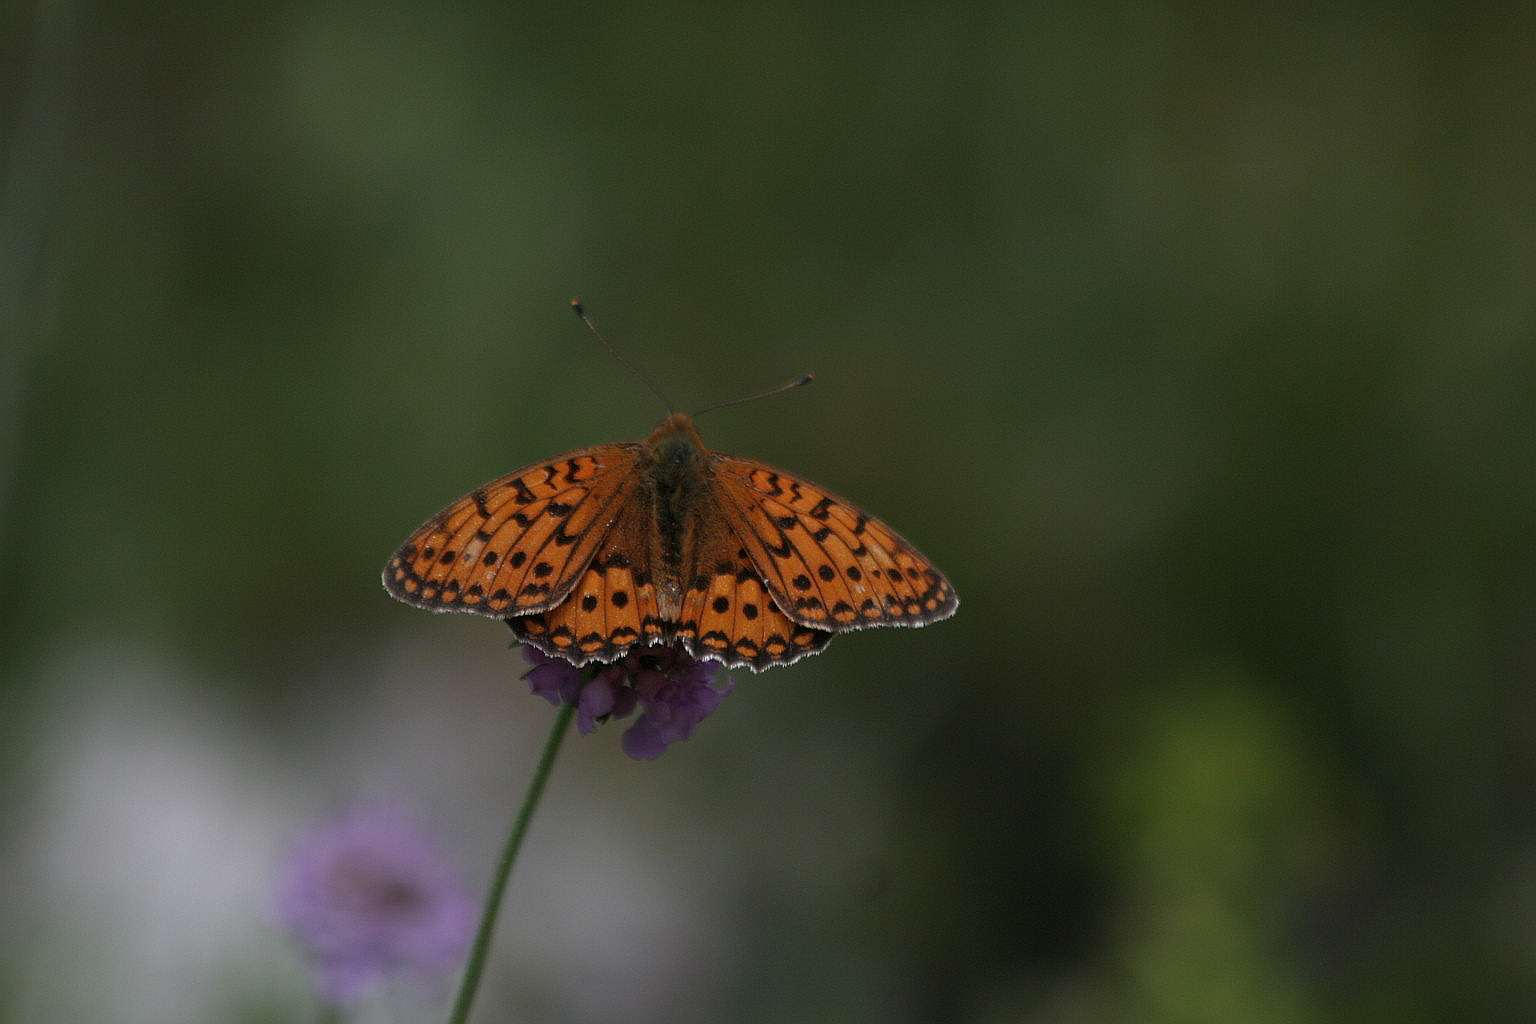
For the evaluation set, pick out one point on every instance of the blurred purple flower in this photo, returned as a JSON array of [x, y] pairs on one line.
[[674, 692], [368, 896]]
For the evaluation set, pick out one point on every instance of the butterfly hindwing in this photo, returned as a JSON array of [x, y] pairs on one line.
[[828, 564], [518, 544], [612, 607], [728, 614]]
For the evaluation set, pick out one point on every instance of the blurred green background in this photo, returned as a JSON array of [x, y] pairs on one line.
[[1195, 341]]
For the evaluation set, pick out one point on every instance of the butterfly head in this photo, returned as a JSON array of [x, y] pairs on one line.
[[675, 439]]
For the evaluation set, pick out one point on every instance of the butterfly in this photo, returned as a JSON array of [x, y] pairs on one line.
[[599, 551]]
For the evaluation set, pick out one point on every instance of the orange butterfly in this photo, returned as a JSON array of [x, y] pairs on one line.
[[607, 548]]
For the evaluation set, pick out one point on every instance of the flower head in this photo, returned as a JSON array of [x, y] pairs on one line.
[[368, 897], [673, 691]]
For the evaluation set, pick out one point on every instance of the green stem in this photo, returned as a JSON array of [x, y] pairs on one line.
[[482, 945]]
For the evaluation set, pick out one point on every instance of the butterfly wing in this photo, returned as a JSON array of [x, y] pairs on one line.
[[728, 615], [564, 551], [725, 615], [519, 544], [611, 608], [828, 565]]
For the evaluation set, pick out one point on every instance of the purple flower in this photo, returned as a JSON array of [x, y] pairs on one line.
[[368, 896], [674, 692], [554, 679]]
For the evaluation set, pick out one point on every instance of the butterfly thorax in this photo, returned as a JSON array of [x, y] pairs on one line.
[[676, 485]]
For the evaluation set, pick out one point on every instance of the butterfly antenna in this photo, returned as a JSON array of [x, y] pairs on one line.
[[581, 311], [798, 382]]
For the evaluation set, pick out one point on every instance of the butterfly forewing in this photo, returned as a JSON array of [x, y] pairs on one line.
[[519, 543], [828, 564]]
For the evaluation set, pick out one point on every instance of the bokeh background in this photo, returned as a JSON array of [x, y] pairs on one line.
[[1195, 341]]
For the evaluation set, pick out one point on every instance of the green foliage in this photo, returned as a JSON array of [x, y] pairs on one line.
[[1180, 336]]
